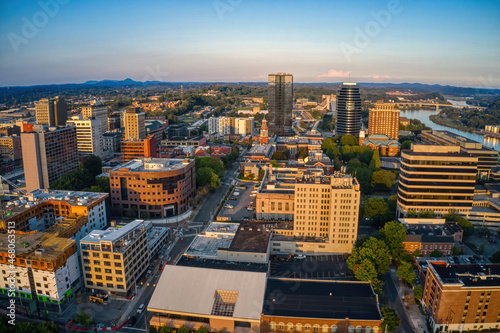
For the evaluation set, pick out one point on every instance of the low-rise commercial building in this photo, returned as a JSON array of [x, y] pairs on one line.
[[132, 149], [461, 298], [154, 187], [218, 299], [298, 305], [184, 141]]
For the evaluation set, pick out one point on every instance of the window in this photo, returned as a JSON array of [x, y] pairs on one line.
[[116, 256], [281, 326], [119, 286], [290, 326], [272, 326], [307, 328], [358, 329], [334, 329]]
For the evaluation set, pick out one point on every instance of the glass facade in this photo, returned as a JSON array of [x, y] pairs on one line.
[[348, 118], [280, 91]]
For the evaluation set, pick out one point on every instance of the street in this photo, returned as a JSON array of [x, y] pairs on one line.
[[394, 301]]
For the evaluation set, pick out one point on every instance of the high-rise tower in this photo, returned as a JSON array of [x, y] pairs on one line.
[[280, 90], [348, 118]]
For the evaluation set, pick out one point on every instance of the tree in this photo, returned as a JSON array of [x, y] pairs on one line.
[[391, 319], [165, 329], [383, 180], [327, 143], [274, 163], [204, 176], [48, 327], [417, 293], [202, 329], [406, 144], [373, 249], [364, 176], [436, 254], [455, 250], [215, 181], [376, 208], [393, 234], [279, 155], [83, 318], [183, 329], [348, 140], [375, 162], [496, 257], [406, 272], [93, 165], [365, 271]]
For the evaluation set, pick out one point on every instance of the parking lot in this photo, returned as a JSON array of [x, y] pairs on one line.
[[239, 203], [490, 242], [327, 267]]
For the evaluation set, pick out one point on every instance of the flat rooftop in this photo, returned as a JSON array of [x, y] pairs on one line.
[[321, 299], [222, 264], [113, 234], [151, 165], [74, 198], [50, 243], [198, 291], [474, 275], [260, 149], [206, 246], [251, 237]]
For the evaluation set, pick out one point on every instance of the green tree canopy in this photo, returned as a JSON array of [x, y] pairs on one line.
[[391, 319], [406, 144], [93, 165], [406, 272], [417, 293], [279, 155], [204, 176], [383, 180], [348, 140], [436, 253], [496, 257], [215, 181], [373, 249], [393, 234], [376, 208], [375, 162]]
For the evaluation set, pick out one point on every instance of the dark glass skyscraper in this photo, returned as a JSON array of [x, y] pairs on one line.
[[348, 119], [280, 90]]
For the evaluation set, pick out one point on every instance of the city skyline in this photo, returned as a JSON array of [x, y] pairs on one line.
[[56, 42]]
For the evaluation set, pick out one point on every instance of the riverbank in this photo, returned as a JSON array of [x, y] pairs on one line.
[[437, 119]]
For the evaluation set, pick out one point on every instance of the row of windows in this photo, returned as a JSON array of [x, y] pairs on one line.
[[317, 328]]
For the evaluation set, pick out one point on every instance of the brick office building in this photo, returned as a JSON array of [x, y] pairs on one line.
[[462, 297], [154, 187]]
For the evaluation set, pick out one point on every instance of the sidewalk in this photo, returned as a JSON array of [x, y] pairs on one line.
[[417, 319]]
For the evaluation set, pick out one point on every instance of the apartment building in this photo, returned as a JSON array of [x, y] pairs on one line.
[[89, 136], [10, 148], [46, 268], [48, 153], [324, 210], [487, 157], [48, 225], [134, 122], [51, 111], [384, 119], [40, 209], [154, 187], [436, 178], [231, 126], [98, 112], [460, 298], [114, 259]]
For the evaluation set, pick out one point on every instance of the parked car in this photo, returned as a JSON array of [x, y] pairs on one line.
[[132, 321], [141, 308], [233, 198], [466, 260], [300, 256]]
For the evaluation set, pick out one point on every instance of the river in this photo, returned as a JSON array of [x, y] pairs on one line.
[[423, 116]]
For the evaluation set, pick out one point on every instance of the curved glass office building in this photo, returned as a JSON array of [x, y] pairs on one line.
[[348, 119]]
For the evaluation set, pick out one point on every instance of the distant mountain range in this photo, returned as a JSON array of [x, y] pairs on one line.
[[22, 92]]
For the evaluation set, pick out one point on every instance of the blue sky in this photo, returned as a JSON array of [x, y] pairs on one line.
[[444, 42]]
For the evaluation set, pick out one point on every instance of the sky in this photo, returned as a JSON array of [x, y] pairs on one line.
[[69, 41]]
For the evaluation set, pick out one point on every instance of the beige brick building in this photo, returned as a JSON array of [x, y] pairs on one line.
[[324, 210], [134, 122], [384, 119]]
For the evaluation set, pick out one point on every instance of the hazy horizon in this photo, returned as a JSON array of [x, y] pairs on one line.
[[61, 41]]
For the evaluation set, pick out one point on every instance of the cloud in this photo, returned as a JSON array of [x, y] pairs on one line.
[[377, 76], [333, 73]]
